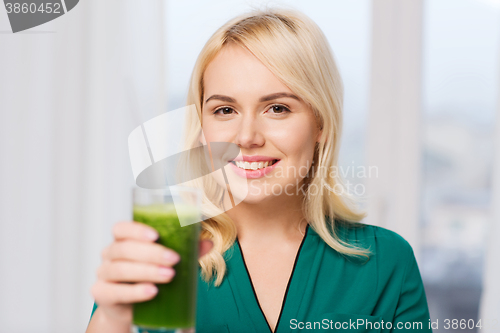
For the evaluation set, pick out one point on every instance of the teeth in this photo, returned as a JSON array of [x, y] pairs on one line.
[[252, 165]]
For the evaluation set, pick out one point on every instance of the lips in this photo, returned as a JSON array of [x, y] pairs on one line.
[[254, 162], [253, 166], [254, 158]]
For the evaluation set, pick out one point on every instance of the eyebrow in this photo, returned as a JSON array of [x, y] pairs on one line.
[[262, 99]]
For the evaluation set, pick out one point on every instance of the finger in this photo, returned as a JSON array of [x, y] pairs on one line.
[[108, 293], [127, 271], [134, 230], [205, 247], [152, 253]]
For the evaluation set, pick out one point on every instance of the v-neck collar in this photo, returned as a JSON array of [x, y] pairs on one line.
[[241, 282]]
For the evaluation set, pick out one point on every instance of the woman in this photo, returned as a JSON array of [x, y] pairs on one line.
[[292, 255]]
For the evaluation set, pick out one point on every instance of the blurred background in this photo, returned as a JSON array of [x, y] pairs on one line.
[[421, 105]]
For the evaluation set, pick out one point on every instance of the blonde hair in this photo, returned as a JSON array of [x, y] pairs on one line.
[[295, 50]]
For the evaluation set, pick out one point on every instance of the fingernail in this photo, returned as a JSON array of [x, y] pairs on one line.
[[151, 234], [172, 257], [166, 272], [151, 290]]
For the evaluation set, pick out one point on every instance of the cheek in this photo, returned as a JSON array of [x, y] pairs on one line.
[[294, 140], [216, 131]]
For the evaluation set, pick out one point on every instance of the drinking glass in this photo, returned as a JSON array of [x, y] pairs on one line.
[[174, 212]]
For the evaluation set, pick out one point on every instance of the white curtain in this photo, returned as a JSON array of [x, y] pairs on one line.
[[65, 178], [393, 144]]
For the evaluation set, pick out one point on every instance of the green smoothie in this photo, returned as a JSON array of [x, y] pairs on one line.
[[175, 304]]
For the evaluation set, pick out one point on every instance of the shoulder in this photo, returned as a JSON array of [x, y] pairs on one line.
[[388, 267], [371, 235], [384, 244]]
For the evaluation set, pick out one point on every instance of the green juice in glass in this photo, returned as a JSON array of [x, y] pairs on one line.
[[175, 304]]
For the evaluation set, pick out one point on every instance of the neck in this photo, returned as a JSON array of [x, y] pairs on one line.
[[279, 218]]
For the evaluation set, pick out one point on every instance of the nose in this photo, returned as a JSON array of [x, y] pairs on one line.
[[249, 133]]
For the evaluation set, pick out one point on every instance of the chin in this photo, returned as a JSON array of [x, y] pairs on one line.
[[255, 199], [257, 195]]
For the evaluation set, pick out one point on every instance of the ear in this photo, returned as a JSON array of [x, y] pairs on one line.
[[319, 137]]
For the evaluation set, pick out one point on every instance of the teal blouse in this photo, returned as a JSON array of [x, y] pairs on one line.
[[326, 290]]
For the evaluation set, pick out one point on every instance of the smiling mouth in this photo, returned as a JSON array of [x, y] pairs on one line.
[[253, 165]]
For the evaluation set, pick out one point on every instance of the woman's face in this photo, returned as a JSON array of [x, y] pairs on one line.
[[245, 104]]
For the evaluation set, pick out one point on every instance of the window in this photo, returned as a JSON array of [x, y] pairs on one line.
[[460, 70]]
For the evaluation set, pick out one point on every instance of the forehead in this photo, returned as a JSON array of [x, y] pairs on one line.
[[236, 71]]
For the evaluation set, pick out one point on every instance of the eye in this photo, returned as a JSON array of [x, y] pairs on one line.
[[225, 110], [279, 109]]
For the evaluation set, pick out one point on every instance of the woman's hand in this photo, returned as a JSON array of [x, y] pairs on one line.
[[130, 267]]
